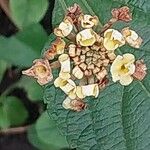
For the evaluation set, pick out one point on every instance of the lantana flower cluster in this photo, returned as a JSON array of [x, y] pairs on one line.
[[88, 54]]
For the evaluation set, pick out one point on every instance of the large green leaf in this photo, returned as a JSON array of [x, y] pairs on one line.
[[16, 52], [27, 12], [33, 36], [12, 112], [120, 117]]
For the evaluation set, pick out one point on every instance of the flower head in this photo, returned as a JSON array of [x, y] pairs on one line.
[[64, 28], [122, 14], [123, 68], [113, 39], [86, 37], [40, 70], [132, 38]]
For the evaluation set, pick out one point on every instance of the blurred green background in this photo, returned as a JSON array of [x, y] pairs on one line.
[[24, 122]]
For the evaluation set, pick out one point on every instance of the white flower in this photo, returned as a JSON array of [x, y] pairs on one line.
[[64, 28], [77, 72], [122, 69], [86, 37], [87, 90], [88, 21], [132, 38], [113, 39], [64, 60], [68, 86]]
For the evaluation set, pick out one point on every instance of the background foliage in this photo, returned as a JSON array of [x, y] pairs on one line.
[[16, 54], [119, 117]]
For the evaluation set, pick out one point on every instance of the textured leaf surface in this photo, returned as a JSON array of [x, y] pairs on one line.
[[119, 119]]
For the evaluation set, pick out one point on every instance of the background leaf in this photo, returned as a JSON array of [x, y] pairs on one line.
[[119, 118], [48, 132], [27, 12], [12, 112]]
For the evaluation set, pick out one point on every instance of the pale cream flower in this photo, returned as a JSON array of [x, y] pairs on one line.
[[64, 28], [77, 72], [132, 38], [86, 37], [73, 104], [40, 70], [87, 90], [123, 68], [113, 39], [64, 60], [57, 47], [68, 86], [88, 21]]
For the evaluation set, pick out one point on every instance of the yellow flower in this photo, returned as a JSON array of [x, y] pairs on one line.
[[64, 60], [123, 68], [40, 70], [68, 86], [86, 37], [87, 90], [64, 28], [132, 38], [113, 39], [88, 21]]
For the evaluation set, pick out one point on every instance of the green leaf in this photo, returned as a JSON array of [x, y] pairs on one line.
[[33, 36], [33, 89], [3, 67], [16, 52], [119, 118], [27, 12], [35, 141], [48, 132], [12, 112]]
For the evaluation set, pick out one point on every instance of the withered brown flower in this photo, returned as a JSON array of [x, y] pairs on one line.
[[40, 70], [57, 47], [74, 104], [122, 14], [140, 70], [74, 12]]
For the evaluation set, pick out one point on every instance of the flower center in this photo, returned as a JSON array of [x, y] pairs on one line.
[[40, 70], [123, 69]]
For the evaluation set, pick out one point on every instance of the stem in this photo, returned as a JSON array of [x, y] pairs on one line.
[[108, 25], [17, 130], [55, 64]]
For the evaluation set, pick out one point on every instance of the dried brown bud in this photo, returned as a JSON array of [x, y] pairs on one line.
[[75, 104], [140, 70], [103, 82], [122, 14], [40, 70], [74, 12], [57, 47]]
